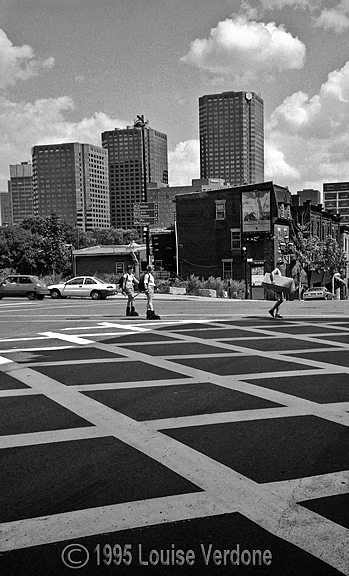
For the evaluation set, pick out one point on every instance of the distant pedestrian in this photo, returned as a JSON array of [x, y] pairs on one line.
[[149, 285], [274, 311], [129, 280]]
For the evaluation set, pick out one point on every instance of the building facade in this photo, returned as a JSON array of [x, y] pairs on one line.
[[320, 222], [306, 194], [165, 197], [5, 209], [231, 127], [336, 199], [71, 180], [20, 187], [213, 228], [126, 172]]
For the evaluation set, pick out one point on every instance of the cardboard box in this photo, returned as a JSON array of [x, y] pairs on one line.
[[281, 284]]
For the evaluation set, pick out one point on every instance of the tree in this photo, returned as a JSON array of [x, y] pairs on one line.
[[312, 254], [18, 249]]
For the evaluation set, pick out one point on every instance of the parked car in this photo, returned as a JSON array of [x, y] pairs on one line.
[[87, 286], [23, 285], [318, 293]]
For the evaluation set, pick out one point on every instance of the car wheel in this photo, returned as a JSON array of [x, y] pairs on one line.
[[40, 296], [31, 295], [55, 294], [95, 295]]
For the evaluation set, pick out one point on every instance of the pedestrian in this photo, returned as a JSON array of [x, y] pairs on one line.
[[129, 280], [149, 285], [274, 311]]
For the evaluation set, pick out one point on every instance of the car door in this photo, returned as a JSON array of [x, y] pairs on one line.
[[10, 286], [25, 285], [73, 287], [89, 285]]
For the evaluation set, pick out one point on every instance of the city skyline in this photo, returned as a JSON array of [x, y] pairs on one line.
[[72, 69]]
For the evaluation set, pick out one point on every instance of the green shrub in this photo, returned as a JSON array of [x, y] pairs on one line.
[[235, 289], [217, 284]]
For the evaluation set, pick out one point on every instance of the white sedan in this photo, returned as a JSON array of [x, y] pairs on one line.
[[83, 286], [318, 293]]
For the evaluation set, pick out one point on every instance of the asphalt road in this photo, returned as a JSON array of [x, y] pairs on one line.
[[213, 441]]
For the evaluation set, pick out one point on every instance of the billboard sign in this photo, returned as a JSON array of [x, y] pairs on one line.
[[145, 213], [256, 211]]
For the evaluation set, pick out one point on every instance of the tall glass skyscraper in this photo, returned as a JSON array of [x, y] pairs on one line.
[[71, 180], [20, 187], [126, 176], [231, 126]]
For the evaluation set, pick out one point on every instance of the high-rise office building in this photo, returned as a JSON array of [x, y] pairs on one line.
[[231, 126], [126, 175], [336, 199], [20, 187], [5, 209], [71, 180]]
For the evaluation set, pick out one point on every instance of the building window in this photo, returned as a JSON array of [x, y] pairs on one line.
[[235, 239], [220, 210], [119, 267]]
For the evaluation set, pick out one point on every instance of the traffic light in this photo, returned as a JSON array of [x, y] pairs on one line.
[[244, 254]]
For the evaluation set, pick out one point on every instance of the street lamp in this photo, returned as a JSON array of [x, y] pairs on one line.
[[142, 124]]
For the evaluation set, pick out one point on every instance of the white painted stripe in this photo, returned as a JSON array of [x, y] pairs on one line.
[[4, 360], [131, 327], [222, 417], [18, 392], [311, 487], [51, 436], [74, 339]]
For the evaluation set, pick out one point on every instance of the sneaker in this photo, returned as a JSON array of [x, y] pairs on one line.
[[278, 316], [271, 312]]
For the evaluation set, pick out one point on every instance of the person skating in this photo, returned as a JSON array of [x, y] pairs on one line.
[[149, 285], [129, 280], [274, 311]]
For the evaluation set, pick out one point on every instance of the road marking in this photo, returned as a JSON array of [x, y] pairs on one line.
[[66, 337], [4, 360], [267, 505]]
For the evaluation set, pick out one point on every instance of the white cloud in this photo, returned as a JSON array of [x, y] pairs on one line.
[[184, 163], [237, 45], [276, 167], [312, 135], [25, 124], [332, 20], [279, 4], [18, 62]]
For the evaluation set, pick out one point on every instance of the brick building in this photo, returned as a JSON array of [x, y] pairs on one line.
[[214, 226]]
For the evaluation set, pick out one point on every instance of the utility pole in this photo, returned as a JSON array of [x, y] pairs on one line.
[[141, 123]]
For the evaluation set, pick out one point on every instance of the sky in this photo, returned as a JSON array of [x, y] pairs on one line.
[[71, 69]]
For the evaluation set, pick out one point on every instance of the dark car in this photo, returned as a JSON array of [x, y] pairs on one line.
[[22, 285]]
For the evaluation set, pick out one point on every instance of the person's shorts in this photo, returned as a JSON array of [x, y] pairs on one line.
[[129, 291]]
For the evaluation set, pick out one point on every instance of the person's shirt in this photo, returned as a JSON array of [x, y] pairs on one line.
[[149, 280], [129, 280]]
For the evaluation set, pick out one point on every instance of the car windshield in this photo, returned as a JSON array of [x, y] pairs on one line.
[[37, 280], [99, 280]]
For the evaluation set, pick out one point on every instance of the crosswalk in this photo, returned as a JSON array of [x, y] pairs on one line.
[[119, 427]]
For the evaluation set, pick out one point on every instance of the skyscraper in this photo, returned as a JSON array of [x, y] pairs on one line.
[[231, 126], [20, 187], [126, 177], [336, 199], [71, 180], [5, 209]]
